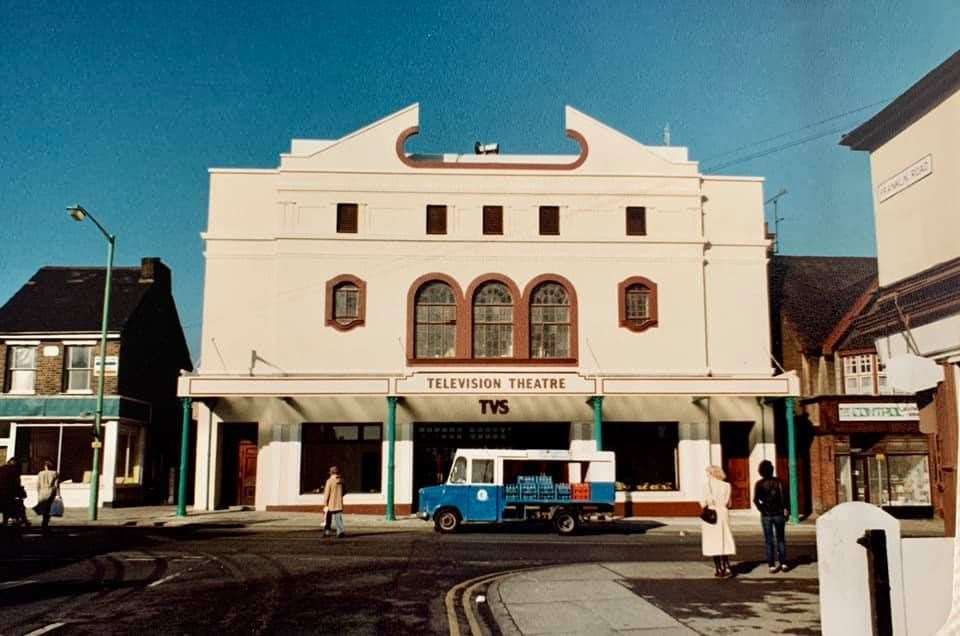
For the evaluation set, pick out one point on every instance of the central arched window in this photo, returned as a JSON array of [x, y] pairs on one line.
[[436, 321], [550, 322], [492, 321]]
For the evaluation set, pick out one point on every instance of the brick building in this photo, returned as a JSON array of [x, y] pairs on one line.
[[49, 362], [859, 440]]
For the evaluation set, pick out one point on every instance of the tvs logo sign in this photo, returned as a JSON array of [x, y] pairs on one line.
[[494, 407]]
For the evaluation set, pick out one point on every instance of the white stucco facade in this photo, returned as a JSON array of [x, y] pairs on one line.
[[269, 356]]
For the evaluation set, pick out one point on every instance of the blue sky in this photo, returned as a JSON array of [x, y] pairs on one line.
[[122, 106]]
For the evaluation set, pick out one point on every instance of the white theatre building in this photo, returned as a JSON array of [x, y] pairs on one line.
[[374, 309]]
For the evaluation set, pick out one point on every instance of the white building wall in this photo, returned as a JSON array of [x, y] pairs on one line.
[[271, 245]]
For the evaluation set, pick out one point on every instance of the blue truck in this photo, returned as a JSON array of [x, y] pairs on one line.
[[566, 487]]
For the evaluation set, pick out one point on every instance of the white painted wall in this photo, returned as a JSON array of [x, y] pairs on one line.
[[918, 227]]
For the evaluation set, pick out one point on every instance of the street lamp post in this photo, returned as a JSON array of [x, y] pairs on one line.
[[78, 213]]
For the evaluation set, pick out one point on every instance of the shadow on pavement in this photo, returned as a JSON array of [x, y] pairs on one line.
[[620, 527]]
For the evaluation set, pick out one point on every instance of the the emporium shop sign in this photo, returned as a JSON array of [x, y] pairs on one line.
[[905, 178], [894, 411], [496, 383]]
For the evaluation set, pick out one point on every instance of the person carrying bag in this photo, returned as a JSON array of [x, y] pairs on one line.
[[49, 503]]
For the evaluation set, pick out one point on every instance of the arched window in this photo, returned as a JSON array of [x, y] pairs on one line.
[[345, 302], [435, 321], [550, 322], [638, 303], [492, 321]]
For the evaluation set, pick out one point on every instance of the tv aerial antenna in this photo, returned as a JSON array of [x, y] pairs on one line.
[[775, 199]]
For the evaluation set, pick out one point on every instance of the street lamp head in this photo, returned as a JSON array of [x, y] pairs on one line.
[[77, 212]]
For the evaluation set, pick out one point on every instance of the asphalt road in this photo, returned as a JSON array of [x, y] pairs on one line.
[[217, 578]]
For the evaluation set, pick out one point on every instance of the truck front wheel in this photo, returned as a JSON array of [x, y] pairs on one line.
[[446, 520], [566, 522]]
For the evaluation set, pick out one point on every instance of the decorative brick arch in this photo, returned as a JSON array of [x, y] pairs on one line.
[[463, 326], [574, 317], [490, 165], [652, 315], [330, 302], [517, 304]]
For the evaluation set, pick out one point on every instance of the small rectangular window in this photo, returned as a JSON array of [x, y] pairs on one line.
[[347, 218], [21, 369], [636, 221], [549, 220], [436, 219], [493, 219], [79, 368]]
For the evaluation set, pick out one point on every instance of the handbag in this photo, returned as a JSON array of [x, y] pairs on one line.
[[708, 515], [56, 507]]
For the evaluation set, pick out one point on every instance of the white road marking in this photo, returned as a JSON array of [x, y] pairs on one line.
[[44, 630], [164, 579], [6, 585], [137, 559]]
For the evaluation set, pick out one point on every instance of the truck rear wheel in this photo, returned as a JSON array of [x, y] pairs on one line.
[[446, 520], [566, 522]]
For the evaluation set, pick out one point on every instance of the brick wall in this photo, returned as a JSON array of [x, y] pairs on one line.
[[823, 473], [50, 369]]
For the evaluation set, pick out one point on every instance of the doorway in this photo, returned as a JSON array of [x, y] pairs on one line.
[[735, 451], [239, 486]]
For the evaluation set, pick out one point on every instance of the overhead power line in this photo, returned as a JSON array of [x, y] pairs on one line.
[[760, 142], [770, 151]]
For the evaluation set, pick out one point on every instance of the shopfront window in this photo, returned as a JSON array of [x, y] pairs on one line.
[[844, 482], [129, 455], [68, 447], [355, 449], [647, 454], [885, 470]]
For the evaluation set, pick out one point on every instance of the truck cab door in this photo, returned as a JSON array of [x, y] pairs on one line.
[[485, 496]]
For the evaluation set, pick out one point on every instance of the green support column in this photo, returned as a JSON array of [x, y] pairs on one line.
[[597, 401], [792, 461], [391, 449], [186, 403]]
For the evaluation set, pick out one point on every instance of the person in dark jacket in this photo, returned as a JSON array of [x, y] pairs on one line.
[[769, 500]]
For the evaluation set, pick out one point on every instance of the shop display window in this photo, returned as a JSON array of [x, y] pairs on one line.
[[68, 447], [129, 455], [356, 449], [647, 454], [885, 470]]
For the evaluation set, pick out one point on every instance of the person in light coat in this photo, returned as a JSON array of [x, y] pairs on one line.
[[333, 502], [47, 490], [716, 538]]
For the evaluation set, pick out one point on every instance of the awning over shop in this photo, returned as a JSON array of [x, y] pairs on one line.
[[70, 407]]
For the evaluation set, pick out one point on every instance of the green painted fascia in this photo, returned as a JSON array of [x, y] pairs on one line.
[[52, 407]]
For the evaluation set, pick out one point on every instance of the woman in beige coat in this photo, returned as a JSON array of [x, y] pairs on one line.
[[47, 490], [333, 503], [716, 538]]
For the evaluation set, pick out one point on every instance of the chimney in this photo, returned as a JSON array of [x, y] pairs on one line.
[[152, 270]]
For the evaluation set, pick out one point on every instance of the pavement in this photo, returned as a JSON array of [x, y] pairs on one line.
[[630, 598], [577, 590], [165, 516]]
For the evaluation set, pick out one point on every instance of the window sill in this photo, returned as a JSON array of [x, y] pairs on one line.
[[638, 326], [340, 326], [78, 392], [20, 393]]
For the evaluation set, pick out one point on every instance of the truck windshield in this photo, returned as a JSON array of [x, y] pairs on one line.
[[458, 474]]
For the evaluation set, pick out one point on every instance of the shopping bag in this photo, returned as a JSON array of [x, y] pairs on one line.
[[56, 507]]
